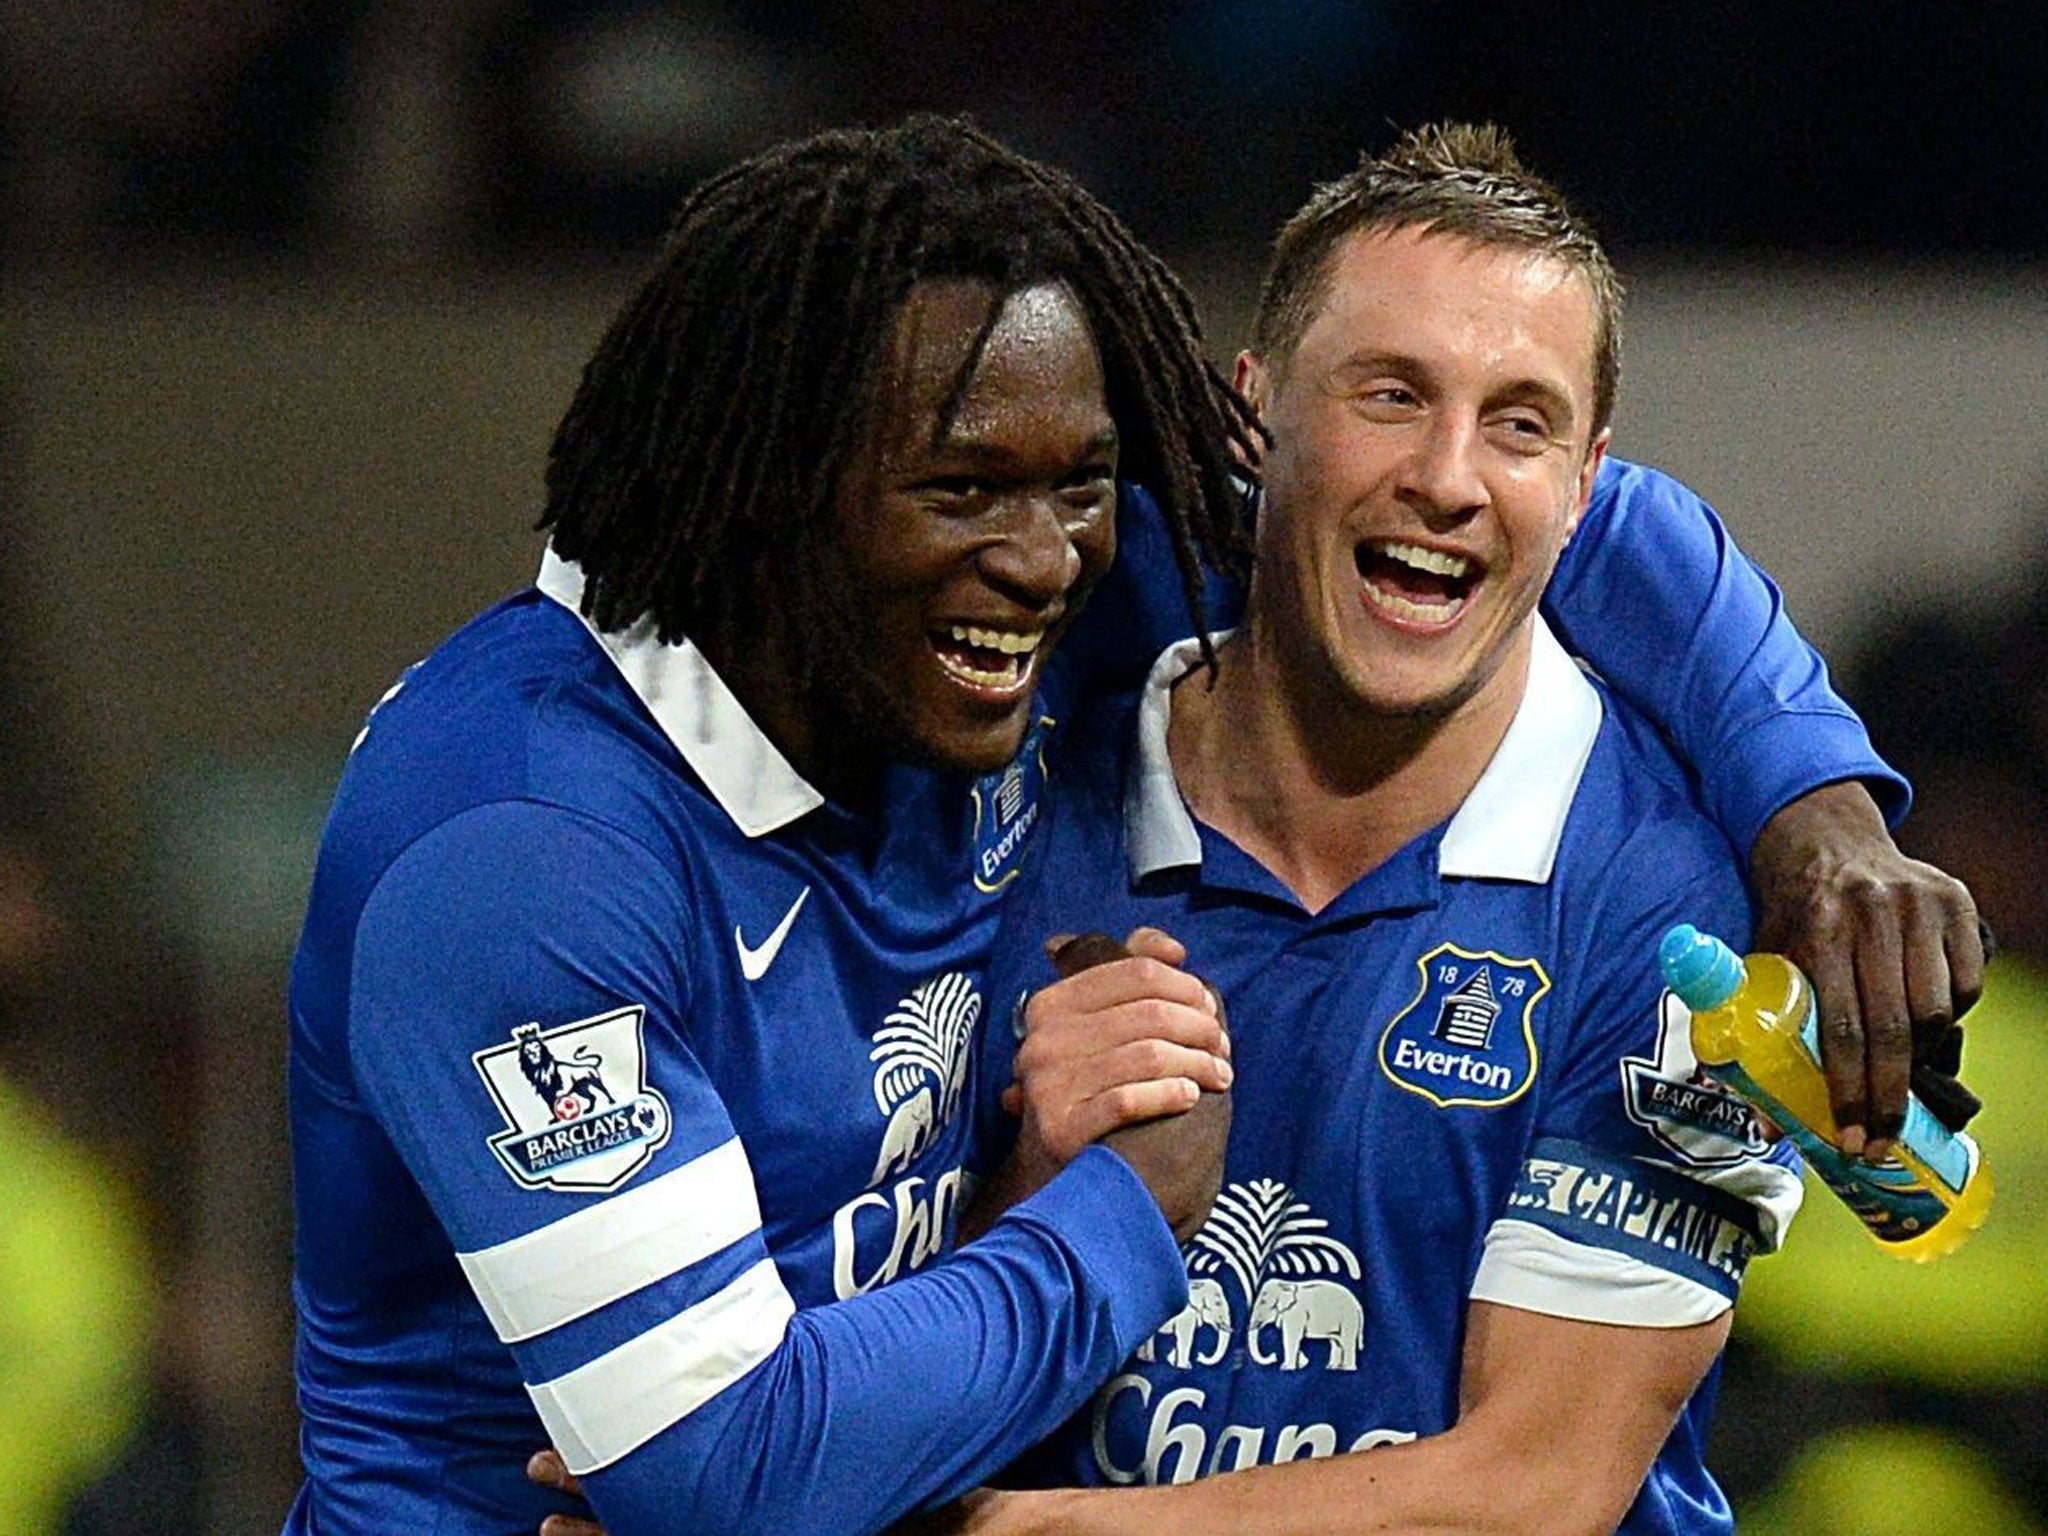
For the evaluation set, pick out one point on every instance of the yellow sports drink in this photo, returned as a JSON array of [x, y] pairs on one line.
[[1754, 1030]]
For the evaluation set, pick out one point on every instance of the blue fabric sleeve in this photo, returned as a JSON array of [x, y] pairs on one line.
[[842, 1417], [923, 1390], [1653, 592], [1616, 998], [1690, 1152]]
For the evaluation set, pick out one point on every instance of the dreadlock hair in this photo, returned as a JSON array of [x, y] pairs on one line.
[[1450, 178], [712, 424]]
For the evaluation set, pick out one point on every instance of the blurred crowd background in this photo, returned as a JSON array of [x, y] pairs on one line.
[[294, 292]]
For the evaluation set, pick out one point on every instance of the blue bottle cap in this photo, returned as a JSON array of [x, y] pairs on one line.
[[1702, 970]]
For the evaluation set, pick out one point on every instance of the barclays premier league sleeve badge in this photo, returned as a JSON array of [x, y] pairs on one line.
[[579, 1116], [1469, 1038]]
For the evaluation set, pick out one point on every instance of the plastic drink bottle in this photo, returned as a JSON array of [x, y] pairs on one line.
[[1754, 1030]]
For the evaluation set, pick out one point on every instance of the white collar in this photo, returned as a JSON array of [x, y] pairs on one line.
[[1511, 823], [747, 775], [1157, 827], [1507, 828]]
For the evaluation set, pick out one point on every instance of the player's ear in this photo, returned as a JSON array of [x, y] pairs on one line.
[[1596, 455], [1250, 377]]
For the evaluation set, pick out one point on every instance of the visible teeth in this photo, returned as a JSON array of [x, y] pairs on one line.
[[1009, 641], [1435, 561], [1008, 677], [1408, 608]]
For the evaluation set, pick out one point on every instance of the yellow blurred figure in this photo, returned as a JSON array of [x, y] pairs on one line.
[[75, 1317], [1888, 1481]]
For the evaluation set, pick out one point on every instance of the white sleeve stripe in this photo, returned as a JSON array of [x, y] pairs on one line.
[[1533, 1268], [618, 1402], [569, 1268]]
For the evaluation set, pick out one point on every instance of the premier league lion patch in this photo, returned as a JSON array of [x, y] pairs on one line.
[[1006, 808], [1689, 1114], [579, 1115], [1469, 1038]]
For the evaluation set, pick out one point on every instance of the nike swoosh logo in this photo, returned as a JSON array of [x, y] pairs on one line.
[[754, 963]]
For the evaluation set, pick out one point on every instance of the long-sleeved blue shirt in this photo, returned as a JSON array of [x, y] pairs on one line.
[[626, 1069]]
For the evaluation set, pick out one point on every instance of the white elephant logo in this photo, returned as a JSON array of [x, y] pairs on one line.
[[909, 1132], [1306, 1310], [921, 1068], [1207, 1305]]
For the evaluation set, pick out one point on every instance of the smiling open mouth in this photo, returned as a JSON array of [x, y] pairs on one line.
[[993, 659], [1421, 586]]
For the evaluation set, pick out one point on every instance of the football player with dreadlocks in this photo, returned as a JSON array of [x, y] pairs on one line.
[[635, 1009], [632, 1018]]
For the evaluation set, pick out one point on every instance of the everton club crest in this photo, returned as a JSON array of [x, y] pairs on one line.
[[1469, 1038], [1006, 808], [578, 1113]]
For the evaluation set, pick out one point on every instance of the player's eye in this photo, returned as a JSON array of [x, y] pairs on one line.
[[955, 492], [1522, 431], [1089, 482], [1387, 402]]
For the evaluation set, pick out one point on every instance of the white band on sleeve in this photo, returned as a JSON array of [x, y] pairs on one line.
[[1533, 1268], [618, 1402], [555, 1274]]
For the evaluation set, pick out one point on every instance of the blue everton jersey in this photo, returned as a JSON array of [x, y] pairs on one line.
[[1460, 1080], [626, 1072], [626, 1076]]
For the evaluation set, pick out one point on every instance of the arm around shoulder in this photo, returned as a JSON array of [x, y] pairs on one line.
[[1655, 593]]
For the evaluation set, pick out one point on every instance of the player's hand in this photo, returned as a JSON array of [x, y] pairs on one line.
[[1124, 1036], [549, 1470], [1894, 949], [1094, 1058], [1179, 1154]]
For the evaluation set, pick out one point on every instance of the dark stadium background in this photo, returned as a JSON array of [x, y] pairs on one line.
[[294, 291]]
